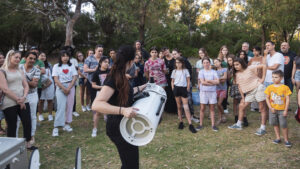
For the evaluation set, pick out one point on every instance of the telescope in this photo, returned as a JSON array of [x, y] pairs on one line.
[[141, 129]]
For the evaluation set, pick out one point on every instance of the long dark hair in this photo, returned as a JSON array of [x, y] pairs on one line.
[[243, 64], [61, 54], [102, 59], [245, 56], [46, 63], [232, 57], [125, 54], [181, 60]]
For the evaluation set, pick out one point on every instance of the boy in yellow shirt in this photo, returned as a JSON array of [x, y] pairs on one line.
[[278, 99]]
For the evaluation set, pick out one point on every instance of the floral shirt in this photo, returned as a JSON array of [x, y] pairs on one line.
[[156, 69]]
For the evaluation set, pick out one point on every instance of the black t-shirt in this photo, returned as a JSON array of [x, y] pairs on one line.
[[99, 77], [188, 66], [288, 64], [109, 81]]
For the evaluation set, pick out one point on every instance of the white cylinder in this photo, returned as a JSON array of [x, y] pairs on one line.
[[140, 130]]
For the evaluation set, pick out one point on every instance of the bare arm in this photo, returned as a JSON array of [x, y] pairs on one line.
[[33, 83], [81, 74], [101, 104], [25, 86], [95, 86], [223, 78], [146, 74], [294, 72], [43, 70], [72, 82], [287, 103], [274, 67], [139, 88], [172, 84], [57, 82]]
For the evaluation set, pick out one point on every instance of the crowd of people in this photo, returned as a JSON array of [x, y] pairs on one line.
[[262, 78]]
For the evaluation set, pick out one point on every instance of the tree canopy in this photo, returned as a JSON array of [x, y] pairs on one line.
[[183, 24]]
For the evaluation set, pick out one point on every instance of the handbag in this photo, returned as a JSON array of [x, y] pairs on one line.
[[2, 94]]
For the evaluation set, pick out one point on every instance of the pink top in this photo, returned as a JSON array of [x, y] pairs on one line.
[[156, 69], [248, 80]]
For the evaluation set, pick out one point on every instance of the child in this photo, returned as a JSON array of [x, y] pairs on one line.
[[251, 89], [234, 90], [156, 68], [82, 82], [207, 80], [221, 89], [278, 99], [181, 85], [47, 89], [65, 76], [97, 83]]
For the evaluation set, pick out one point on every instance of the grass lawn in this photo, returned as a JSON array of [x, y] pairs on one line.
[[173, 148]]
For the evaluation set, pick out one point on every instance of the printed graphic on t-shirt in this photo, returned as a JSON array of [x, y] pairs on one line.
[[102, 77], [277, 99], [286, 60]]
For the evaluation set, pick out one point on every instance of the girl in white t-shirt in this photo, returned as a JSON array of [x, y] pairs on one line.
[[65, 76], [181, 86]]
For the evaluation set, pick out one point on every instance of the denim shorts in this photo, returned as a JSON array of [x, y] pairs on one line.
[[297, 76], [81, 81]]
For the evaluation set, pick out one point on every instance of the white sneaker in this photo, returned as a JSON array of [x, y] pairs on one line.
[[88, 108], [195, 119], [83, 108], [226, 111], [94, 132], [75, 114], [55, 132], [41, 118], [67, 128], [50, 117]]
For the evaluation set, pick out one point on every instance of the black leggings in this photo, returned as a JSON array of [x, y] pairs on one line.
[[11, 116], [129, 154], [92, 91]]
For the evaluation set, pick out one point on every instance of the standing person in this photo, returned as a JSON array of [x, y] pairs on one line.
[[202, 53], [15, 87], [234, 89], [257, 60], [243, 55], [274, 61], [65, 76], [82, 82], [221, 89], [139, 48], [97, 83], [251, 86], [288, 64], [48, 89], [161, 54], [176, 53], [112, 57], [296, 74], [207, 80], [223, 55], [246, 47], [32, 75], [140, 79], [2, 131], [74, 62], [90, 67], [278, 99], [156, 68], [170, 105], [116, 99], [181, 86]]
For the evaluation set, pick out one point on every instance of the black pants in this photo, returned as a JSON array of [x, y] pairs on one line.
[[92, 91], [74, 106], [129, 154], [11, 116]]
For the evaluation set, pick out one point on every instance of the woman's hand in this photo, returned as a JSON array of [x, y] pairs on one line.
[[23, 106], [21, 100], [129, 112], [294, 81], [66, 91]]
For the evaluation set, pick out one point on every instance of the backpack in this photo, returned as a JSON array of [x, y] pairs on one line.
[[2, 94]]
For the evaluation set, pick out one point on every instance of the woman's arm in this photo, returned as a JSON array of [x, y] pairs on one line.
[[223, 78], [95, 86], [33, 83], [146, 74], [25, 86], [139, 88], [81, 74], [57, 82], [72, 82], [293, 73], [242, 94], [5, 89], [101, 104], [264, 71], [188, 83]]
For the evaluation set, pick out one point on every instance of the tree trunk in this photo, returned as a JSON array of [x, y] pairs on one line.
[[69, 33], [263, 37], [142, 24]]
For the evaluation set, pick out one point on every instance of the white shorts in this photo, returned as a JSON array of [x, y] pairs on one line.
[[257, 94], [208, 97]]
